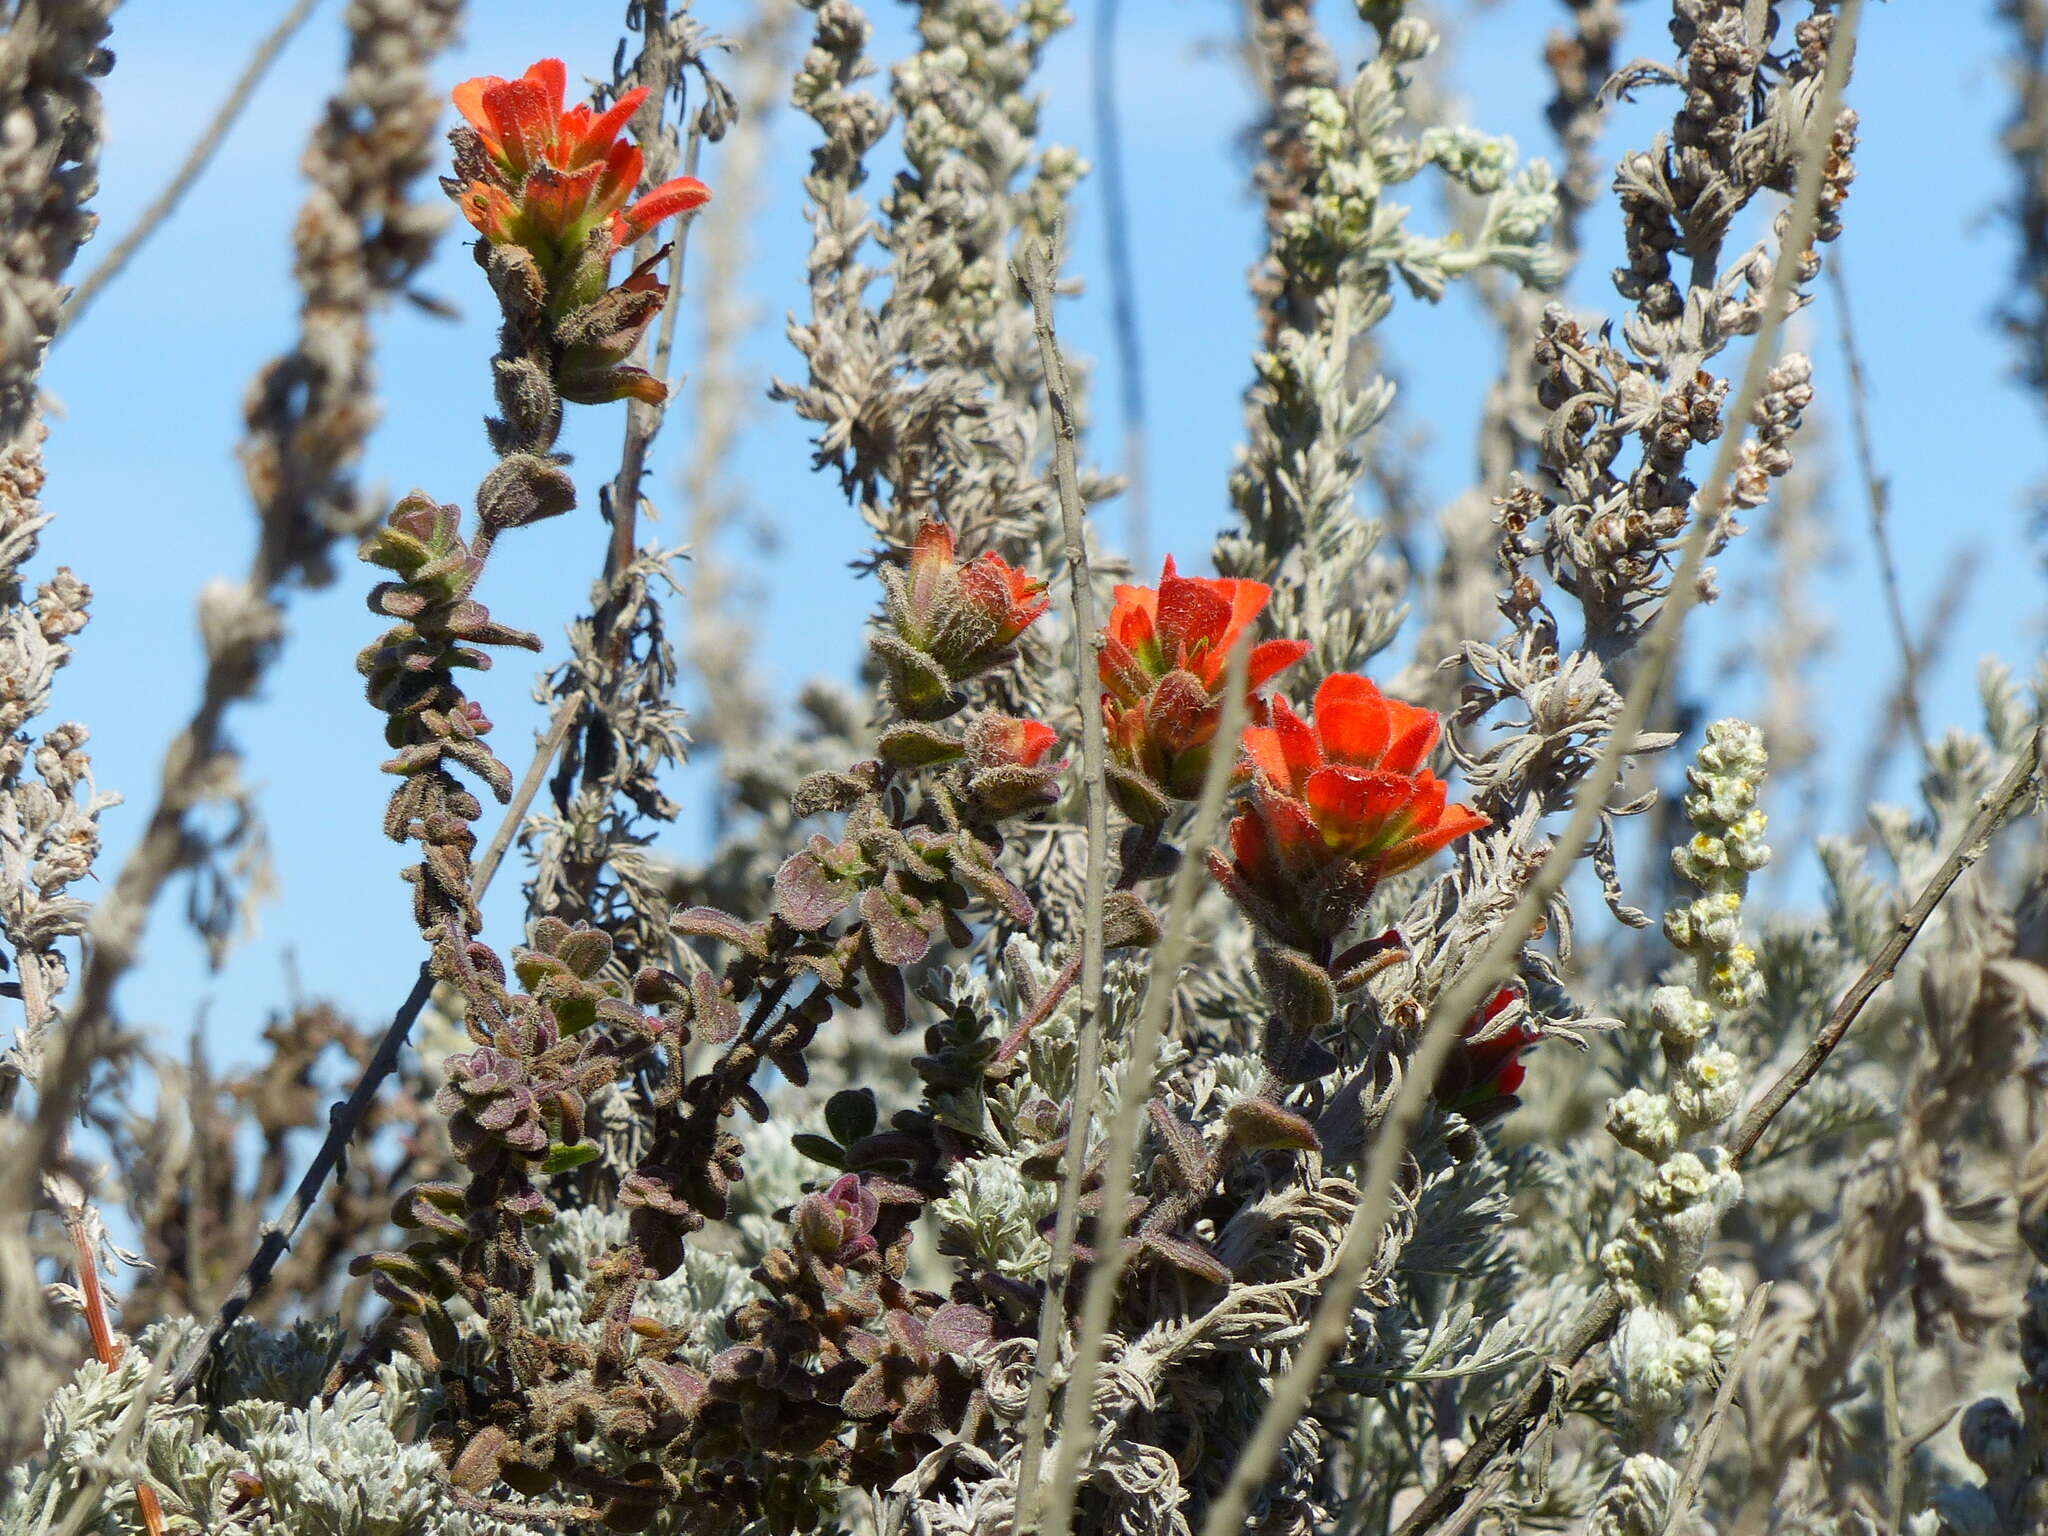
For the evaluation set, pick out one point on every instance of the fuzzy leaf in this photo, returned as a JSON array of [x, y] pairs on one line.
[[819, 1150], [959, 1329], [821, 794], [718, 1016], [917, 685], [851, 1114], [1302, 994], [868, 1397], [1185, 1255], [562, 1156], [1011, 790], [523, 488], [912, 744], [683, 1388], [895, 936], [1186, 1151], [809, 894], [1000, 893], [585, 951], [886, 982], [477, 1467], [1137, 796], [1263, 1126], [710, 923], [884, 1149], [1127, 923]]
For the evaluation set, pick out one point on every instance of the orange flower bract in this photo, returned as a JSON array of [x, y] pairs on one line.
[[951, 620], [1339, 802], [1163, 664], [559, 175]]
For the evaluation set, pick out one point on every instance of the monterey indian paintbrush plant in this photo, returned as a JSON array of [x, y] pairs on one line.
[[1142, 1075]]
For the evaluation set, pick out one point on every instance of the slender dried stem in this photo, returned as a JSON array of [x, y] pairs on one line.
[[1702, 1447], [166, 201], [1035, 272], [1123, 286], [1938, 628], [1992, 811], [346, 1117], [1877, 490], [1507, 1425], [78, 1223], [308, 416], [658, 68], [720, 638], [1331, 1321], [1055, 992], [1895, 1451], [1120, 1156]]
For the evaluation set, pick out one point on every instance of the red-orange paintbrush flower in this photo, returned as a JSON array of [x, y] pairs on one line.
[[1359, 769], [1163, 664], [559, 175], [1480, 1077], [556, 186], [1338, 803], [950, 620]]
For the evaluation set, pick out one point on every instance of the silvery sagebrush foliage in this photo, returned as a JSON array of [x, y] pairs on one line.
[[731, 1195], [49, 804]]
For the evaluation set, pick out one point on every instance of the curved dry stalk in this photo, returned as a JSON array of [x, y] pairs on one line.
[[1123, 286], [1035, 272], [720, 637], [1120, 1154], [357, 241], [1292, 1391], [165, 203], [1970, 847], [1877, 491], [664, 54]]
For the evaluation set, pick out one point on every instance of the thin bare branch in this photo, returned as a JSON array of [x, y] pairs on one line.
[[1702, 1447], [1992, 812], [1036, 271], [1120, 1157], [308, 414], [165, 203], [1877, 491]]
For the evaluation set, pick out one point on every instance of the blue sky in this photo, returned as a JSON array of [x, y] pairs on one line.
[[149, 502]]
